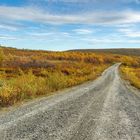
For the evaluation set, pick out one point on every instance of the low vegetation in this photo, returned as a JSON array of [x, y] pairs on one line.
[[132, 74], [27, 74], [123, 51]]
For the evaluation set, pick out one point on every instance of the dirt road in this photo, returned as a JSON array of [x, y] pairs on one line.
[[105, 109]]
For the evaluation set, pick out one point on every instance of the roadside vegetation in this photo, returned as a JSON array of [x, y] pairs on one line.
[[27, 74], [132, 74]]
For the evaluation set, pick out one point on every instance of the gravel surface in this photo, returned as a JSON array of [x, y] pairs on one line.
[[104, 109]]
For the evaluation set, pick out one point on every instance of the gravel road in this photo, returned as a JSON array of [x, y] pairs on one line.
[[104, 109]]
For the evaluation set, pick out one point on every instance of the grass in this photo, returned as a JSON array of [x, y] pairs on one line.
[[28, 86], [132, 74], [26, 74]]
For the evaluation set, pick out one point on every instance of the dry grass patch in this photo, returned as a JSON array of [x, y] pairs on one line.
[[132, 74], [29, 86]]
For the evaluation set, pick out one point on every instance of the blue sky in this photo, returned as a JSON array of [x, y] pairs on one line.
[[70, 24]]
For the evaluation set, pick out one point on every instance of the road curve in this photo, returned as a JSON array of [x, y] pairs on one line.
[[105, 109]]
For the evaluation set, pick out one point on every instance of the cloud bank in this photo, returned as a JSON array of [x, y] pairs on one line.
[[40, 16]]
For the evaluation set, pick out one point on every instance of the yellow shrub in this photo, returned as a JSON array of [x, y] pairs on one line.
[[131, 74], [56, 81], [8, 95], [23, 87]]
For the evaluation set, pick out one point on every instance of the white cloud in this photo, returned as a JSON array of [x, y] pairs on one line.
[[48, 35], [7, 37], [8, 27], [37, 34], [130, 32], [38, 15], [83, 31], [90, 1], [112, 41]]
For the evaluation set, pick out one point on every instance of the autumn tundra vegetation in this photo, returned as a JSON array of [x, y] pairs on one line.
[[27, 74]]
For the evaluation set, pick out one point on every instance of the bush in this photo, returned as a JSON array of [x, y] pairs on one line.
[[8, 95], [56, 81], [26, 86], [131, 74]]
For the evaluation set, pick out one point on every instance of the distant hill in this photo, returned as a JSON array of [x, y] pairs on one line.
[[121, 51], [134, 52]]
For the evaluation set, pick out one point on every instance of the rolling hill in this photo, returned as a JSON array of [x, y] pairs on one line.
[[122, 51]]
